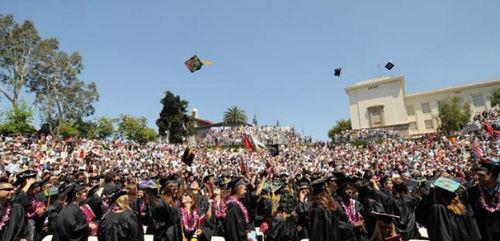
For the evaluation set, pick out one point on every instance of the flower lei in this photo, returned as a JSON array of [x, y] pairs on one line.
[[350, 211], [482, 200], [142, 209], [5, 217], [220, 210], [34, 206], [233, 199], [186, 219]]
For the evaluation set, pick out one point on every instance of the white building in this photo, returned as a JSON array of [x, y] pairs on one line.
[[382, 102]]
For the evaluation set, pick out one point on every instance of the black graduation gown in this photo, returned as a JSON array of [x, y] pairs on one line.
[[263, 212], [165, 223], [234, 223], [323, 225], [283, 229], [370, 220], [96, 204], [302, 211], [446, 226], [489, 223], [405, 207], [347, 230], [17, 225], [120, 227], [71, 224]]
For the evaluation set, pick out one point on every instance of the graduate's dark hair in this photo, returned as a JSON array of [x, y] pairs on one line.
[[325, 200], [151, 196], [108, 177]]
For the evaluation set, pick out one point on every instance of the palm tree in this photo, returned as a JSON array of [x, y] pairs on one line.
[[235, 116]]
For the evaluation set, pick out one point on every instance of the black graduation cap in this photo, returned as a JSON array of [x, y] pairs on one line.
[[336, 176], [384, 217], [116, 195], [337, 72], [207, 177], [193, 64], [223, 184], [274, 150], [303, 183], [97, 177], [318, 186], [389, 65], [188, 156], [26, 174], [20, 177], [170, 179], [284, 175], [71, 190], [489, 164], [237, 181]]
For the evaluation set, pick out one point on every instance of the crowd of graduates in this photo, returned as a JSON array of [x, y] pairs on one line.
[[118, 190]]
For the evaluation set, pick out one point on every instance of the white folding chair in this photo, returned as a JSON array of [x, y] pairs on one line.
[[149, 237], [47, 238], [217, 238]]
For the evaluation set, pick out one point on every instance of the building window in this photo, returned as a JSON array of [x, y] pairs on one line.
[[440, 102], [376, 116], [410, 110], [428, 124], [413, 126], [426, 108], [478, 100]]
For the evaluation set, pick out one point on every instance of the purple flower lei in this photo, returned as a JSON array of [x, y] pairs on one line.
[[220, 210], [5, 217], [233, 199], [350, 211], [186, 218], [482, 200]]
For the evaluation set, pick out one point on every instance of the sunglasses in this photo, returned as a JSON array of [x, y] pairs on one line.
[[7, 189]]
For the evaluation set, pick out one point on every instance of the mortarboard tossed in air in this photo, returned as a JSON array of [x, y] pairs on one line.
[[188, 156], [389, 65], [447, 184], [274, 150], [194, 63], [337, 72]]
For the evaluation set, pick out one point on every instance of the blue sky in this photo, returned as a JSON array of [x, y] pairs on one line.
[[273, 58]]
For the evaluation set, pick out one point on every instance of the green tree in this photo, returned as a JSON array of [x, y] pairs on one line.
[[254, 120], [341, 125], [135, 129], [453, 114], [173, 120], [17, 62], [18, 120], [235, 116], [66, 129], [105, 127], [86, 129], [495, 98], [59, 93]]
